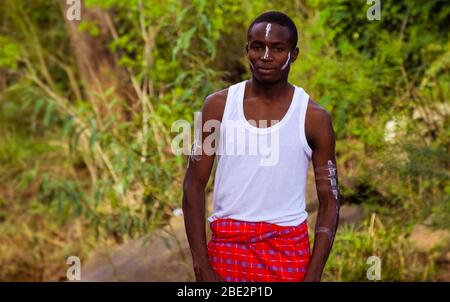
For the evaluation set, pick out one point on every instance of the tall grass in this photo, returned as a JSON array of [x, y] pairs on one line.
[[399, 261]]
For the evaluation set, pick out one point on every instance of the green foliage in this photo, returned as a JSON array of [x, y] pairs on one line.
[[9, 53], [354, 245], [70, 150]]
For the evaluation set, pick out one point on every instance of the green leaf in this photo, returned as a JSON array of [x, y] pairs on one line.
[[210, 46], [37, 109], [67, 126], [49, 110], [94, 133], [183, 42]]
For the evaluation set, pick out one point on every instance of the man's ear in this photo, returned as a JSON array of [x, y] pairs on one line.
[[294, 54]]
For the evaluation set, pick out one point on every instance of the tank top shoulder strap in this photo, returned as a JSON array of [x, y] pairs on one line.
[[303, 106], [232, 96]]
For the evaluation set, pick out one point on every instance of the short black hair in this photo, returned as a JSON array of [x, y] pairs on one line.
[[280, 19]]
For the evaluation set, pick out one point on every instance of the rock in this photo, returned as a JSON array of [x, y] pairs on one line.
[[348, 214], [424, 239], [311, 222], [351, 214], [165, 256], [310, 192]]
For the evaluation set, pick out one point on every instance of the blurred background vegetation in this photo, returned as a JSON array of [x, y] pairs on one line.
[[86, 109]]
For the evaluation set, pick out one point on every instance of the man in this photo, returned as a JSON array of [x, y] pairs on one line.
[[259, 230]]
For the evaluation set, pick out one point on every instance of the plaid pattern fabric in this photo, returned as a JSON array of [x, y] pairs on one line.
[[242, 251]]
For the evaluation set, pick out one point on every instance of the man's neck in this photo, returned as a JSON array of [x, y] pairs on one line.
[[269, 91]]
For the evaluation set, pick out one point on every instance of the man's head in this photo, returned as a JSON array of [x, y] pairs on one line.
[[271, 46]]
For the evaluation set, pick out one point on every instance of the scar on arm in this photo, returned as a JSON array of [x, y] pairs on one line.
[[328, 173], [331, 177]]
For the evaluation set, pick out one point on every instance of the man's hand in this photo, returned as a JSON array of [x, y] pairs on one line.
[[207, 275], [311, 278]]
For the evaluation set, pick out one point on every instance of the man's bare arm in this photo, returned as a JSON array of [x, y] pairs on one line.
[[198, 171], [321, 133]]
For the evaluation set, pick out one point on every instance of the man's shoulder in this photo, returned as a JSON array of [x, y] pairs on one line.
[[316, 113], [218, 97], [317, 124], [214, 104]]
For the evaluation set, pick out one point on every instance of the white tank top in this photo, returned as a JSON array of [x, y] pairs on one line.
[[261, 172]]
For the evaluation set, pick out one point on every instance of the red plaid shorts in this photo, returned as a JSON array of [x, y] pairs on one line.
[[242, 251]]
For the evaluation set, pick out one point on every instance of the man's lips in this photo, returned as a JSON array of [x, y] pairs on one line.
[[265, 69]]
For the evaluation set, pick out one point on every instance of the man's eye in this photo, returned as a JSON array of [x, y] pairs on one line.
[[278, 49]]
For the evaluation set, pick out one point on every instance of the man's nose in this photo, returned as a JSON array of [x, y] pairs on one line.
[[267, 54]]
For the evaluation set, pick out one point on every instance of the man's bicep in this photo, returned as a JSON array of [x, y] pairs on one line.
[[324, 142], [202, 156], [200, 161]]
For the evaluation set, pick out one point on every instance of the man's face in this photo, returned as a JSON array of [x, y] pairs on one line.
[[269, 51]]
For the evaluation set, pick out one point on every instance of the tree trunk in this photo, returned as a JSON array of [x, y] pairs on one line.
[[97, 66]]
